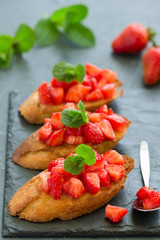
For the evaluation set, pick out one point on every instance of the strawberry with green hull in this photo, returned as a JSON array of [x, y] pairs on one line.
[[90, 84], [70, 187], [65, 130]]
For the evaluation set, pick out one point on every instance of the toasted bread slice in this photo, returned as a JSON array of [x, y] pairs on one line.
[[34, 154], [35, 112], [33, 204]]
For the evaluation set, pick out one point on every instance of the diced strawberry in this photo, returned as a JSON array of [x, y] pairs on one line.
[[68, 106], [106, 129], [108, 90], [44, 132], [117, 122], [105, 180], [91, 182], [95, 95], [56, 121], [102, 109], [55, 185], [106, 76], [56, 83], [114, 157], [76, 140], [77, 93], [114, 213], [99, 164], [44, 184], [96, 117], [152, 202], [144, 192], [74, 187], [56, 138], [92, 70], [116, 172], [44, 93], [73, 131], [47, 120], [93, 133], [59, 169], [58, 161], [90, 81], [57, 95]]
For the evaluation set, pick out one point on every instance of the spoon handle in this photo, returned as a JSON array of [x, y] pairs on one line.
[[145, 162]]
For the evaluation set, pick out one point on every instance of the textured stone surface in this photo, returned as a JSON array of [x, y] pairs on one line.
[[94, 224]]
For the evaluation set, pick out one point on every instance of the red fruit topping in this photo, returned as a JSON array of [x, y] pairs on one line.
[[58, 161], [92, 70], [95, 95], [57, 95], [77, 93], [106, 129], [59, 169], [73, 131], [106, 76], [56, 121], [116, 172], [102, 109], [96, 117], [44, 93], [152, 202], [45, 131], [114, 157], [117, 122], [99, 164], [74, 187], [108, 90], [144, 192], [91, 182], [55, 185], [68, 106], [56, 138], [56, 83], [151, 65], [114, 213], [105, 180], [74, 139], [90, 81], [47, 120], [44, 184], [93, 133]]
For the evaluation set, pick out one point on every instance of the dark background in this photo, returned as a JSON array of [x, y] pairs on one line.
[[106, 18]]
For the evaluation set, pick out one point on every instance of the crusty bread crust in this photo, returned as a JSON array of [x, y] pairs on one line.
[[35, 112], [34, 154], [33, 204]]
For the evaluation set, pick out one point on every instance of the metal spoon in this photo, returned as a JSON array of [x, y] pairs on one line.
[[145, 170]]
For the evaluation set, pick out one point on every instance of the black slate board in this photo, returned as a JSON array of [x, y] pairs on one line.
[[137, 105]]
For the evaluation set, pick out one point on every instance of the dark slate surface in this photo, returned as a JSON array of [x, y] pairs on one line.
[[145, 126]]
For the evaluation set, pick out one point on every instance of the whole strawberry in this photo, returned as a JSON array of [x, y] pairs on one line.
[[151, 65], [133, 39]]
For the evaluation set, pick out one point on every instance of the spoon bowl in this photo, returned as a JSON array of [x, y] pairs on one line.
[[140, 208]]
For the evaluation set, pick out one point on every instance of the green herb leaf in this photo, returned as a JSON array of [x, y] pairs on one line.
[[25, 38], [87, 153], [66, 72], [72, 14], [5, 59], [46, 33], [82, 109], [80, 35], [74, 164], [6, 50]]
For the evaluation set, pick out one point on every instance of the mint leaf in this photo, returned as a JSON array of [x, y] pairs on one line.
[[82, 109], [5, 59], [87, 153], [25, 38], [72, 14], [72, 118], [74, 164], [46, 33], [66, 72], [80, 35], [6, 43]]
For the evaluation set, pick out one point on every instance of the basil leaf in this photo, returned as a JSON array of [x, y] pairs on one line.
[[87, 153], [82, 109], [74, 164], [46, 33], [72, 118], [80, 35], [25, 38]]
